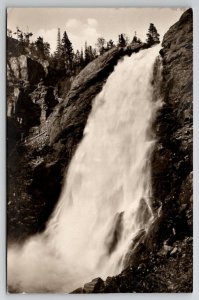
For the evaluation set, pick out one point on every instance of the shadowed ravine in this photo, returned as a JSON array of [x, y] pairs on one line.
[[105, 202]]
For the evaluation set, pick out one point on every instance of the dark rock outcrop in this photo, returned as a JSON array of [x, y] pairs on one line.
[[23, 76], [172, 158], [24, 68]]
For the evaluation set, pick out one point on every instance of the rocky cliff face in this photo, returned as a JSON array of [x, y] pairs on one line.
[[162, 260], [172, 160], [30, 101], [26, 69]]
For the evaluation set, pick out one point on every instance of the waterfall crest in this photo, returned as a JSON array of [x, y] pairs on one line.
[[105, 200]]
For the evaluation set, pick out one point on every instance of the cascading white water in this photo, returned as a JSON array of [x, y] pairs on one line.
[[106, 198]]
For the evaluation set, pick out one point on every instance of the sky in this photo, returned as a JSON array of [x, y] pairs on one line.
[[87, 24]]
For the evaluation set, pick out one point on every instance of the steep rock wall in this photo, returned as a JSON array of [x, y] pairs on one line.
[[162, 259], [24, 68]]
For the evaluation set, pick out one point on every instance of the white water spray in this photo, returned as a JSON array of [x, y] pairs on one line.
[[106, 198]]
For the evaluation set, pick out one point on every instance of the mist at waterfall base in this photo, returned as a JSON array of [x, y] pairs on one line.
[[105, 201]]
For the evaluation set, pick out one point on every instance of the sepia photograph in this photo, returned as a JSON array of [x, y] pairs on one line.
[[99, 150]]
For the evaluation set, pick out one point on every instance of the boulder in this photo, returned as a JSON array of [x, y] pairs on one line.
[[95, 285]]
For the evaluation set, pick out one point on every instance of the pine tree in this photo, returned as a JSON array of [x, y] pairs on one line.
[[152, 35], [58, 48], [40, 47], [46, 50], [27, 37], [101, 45], [82, 58], [122, 40], [94, 53], [76, 61], [110, 44], [89, 54], [86, 54], [67, 51], [77, 58], [135, 39]]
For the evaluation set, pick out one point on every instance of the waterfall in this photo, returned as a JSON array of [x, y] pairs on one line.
[[105, 201]]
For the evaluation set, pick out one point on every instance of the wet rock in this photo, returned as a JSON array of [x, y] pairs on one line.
[[78, 291], [96, 285]]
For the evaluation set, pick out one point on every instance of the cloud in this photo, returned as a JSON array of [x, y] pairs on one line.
[[92, 22], [89, 32], [73, 24], [49, 36], [78, 32]]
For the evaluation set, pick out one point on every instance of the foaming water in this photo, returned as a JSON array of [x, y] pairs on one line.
[[105, 201]]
